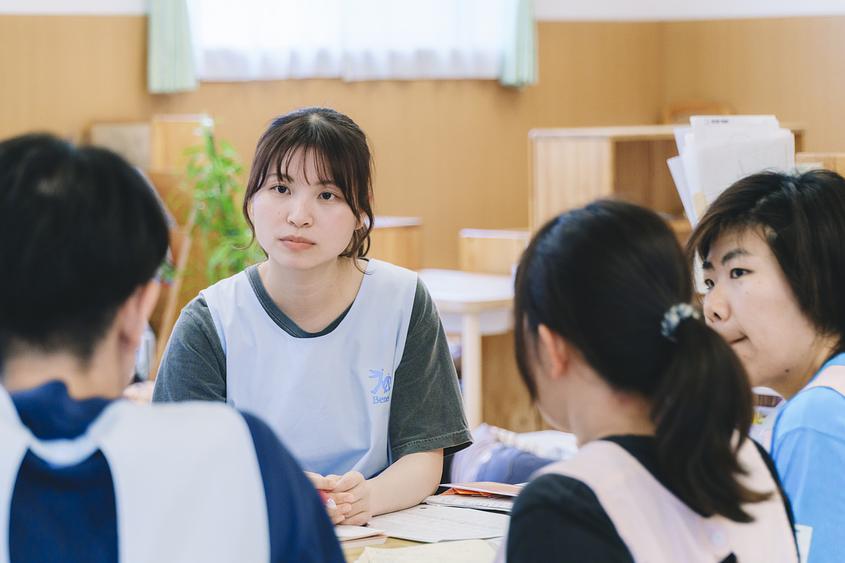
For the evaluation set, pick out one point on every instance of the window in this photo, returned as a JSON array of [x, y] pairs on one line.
[[351, 39]]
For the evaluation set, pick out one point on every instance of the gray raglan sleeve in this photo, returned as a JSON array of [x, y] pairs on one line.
[[426, 411], [194, 366]]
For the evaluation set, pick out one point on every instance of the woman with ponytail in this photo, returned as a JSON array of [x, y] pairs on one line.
[[611, 350], [772, 251]]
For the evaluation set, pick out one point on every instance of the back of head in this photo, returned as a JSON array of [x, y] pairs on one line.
[[80, 230], [605, 277], [802, 218], [342, 155]]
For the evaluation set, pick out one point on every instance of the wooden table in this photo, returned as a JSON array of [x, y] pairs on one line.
[[471, 304], [353, 553]]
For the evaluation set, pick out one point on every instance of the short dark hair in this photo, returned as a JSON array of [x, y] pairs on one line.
[[342, 154], [80, 230], [802, 219], [603, 277]]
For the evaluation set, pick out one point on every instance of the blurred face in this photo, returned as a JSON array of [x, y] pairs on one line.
[[301, 220], [751, 305]]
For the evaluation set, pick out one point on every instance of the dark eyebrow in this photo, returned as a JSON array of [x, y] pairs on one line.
[[735, 253], [730, 255], [286, 178]]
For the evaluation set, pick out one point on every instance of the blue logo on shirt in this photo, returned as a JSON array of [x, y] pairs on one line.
[[381, 390]]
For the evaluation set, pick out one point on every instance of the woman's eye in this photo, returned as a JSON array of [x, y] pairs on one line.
[[281, 189], [738, 272], [708, 284], [327, 196]]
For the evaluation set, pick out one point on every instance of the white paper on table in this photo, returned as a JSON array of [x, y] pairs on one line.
[[469, 551], [345, 533], [429, 524], [470, 501]]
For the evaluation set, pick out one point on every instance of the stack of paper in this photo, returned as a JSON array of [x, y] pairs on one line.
[[356, 536], [717, 151], [480, 495], [431, 524]]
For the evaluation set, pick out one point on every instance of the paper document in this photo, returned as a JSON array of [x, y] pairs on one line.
[[478, 503], [470, 551], [716, 151], [345, 533], [425, 523], [485, 487]]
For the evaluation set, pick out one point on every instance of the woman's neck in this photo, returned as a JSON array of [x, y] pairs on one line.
[[96, 378], [312, 298], [597, 411], [797, 378]]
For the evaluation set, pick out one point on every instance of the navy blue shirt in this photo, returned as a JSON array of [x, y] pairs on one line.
[[69, 513]]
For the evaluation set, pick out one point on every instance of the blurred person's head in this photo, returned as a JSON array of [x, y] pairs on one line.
[[81, 238]]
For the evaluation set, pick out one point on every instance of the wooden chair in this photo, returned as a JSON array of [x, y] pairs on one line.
[[491, 251], [397, 240]]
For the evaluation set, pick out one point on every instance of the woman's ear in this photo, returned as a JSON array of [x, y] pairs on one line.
[[555, 352]]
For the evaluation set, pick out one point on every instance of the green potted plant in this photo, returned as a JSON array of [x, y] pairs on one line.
[[214, 171]]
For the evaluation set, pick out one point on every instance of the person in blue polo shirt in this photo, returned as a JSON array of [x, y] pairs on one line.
[[772, 248], [85, 476]]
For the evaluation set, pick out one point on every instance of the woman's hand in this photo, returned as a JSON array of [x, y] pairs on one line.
[[354, 492], [324, 485]]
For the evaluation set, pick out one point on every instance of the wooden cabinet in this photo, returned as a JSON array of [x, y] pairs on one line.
[[571, 167]]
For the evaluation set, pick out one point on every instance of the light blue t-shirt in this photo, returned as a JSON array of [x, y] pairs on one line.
[[808, 448]]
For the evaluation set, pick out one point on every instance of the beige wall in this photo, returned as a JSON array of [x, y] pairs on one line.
[[62, 73], [789, 67], [451, 152], [455, 152]]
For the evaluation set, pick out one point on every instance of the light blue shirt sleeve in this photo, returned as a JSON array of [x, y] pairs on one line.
[[808, 449]]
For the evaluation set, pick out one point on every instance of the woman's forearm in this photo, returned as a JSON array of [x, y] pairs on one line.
[[407, 482]]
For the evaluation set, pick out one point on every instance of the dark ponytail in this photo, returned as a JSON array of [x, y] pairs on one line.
[[702, 410], [603, 277]]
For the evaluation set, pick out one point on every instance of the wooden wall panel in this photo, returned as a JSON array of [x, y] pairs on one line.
[[453, 152], [63, 73], [788, 67], [450, 152]]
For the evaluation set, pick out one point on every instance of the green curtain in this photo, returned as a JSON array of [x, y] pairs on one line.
[[519, 67], [170, 57]]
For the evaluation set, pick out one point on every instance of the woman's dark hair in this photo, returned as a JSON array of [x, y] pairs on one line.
[[602, 277], [802, 219], [80, 231], [342, 155]]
